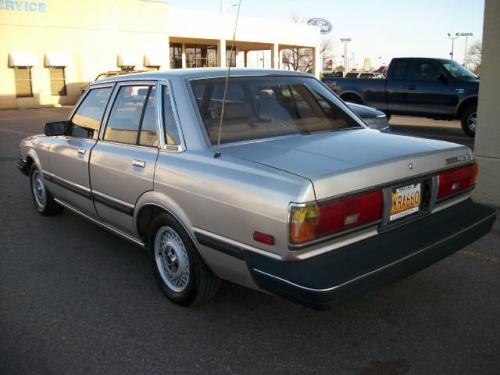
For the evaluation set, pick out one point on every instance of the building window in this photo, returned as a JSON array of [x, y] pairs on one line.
[[175, 56], [57, 82], [201, 56], [22, 76], [231, 57]]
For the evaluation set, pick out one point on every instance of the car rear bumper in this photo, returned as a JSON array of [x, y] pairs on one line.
[[355, 269]]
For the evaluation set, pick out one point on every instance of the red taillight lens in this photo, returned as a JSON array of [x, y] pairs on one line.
[[313, 221], [457, 180], [349, 213]]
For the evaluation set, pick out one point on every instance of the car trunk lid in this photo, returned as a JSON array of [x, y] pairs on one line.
[[346, 161]]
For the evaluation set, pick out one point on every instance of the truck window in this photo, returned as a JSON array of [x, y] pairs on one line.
[[399, 70], [426, 71]]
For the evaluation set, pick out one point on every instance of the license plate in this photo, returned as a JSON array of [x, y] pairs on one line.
[[405, 201]]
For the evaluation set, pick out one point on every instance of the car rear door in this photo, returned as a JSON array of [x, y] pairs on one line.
[[396, 89], [123, 161], [430, 91], [68, 172]]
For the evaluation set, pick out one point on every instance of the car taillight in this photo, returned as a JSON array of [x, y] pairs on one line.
[[313, 221], [457, 180]]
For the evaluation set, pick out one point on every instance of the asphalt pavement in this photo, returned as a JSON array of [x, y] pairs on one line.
[[75, 299]]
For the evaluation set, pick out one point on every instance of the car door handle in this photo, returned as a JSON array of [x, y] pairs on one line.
[[139, 163], [411, 88], [82, 151]]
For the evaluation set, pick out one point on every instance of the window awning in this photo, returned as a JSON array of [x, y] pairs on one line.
[[153, 60], [56, 60], [21, 59], [126, 59]]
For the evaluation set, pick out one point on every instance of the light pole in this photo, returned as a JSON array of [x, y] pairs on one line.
[[452, 43], [345, 41], [467, 35]]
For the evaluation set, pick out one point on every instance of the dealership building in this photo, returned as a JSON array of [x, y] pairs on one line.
[[51, 49]]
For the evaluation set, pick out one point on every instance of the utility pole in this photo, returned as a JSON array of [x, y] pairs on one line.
[[345, 41], [467, 35], [452, 43]]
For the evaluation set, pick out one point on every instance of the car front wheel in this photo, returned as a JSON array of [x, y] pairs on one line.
[[179, 269], [42, 198]]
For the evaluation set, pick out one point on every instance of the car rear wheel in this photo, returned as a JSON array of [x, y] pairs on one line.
[[469, 120], [42, 198], [179, 270]]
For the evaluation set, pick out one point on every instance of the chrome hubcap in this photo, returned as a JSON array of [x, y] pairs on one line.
[[471, 121], [38, 188], [171, 259]]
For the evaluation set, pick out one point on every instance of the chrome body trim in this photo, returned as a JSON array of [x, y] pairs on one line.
[[101, 224]]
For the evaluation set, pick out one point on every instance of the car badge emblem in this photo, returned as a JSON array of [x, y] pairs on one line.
[[410, 166]]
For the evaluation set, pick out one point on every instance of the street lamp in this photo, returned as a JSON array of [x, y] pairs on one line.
[[467, 35], [452, 43], [345, 41]]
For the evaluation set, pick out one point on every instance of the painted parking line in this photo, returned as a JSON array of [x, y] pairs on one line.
[[14, 131], [488, 258]]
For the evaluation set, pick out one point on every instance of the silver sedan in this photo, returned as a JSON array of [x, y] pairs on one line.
[[267, 180]]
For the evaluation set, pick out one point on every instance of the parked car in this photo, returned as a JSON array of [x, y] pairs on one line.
[[290, 193], [428, 87], [373, 118]]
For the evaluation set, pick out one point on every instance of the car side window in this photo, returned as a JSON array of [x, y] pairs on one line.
[[87, 119], [125, 117], [149, 129], [426, 71], [399, 71], [170, 125]]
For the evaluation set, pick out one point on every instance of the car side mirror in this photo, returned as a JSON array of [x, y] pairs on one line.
[[56, 128], [443, 79]]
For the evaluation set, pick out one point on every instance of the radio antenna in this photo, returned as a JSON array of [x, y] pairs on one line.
[[217, 150]]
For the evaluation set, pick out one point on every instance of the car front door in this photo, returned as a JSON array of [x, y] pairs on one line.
[[431, 90], [123, 161], [68, 172]]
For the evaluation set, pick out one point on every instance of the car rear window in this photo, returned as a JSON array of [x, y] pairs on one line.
[[262, 107]]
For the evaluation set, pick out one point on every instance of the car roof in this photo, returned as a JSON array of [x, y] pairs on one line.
[[195, 73]]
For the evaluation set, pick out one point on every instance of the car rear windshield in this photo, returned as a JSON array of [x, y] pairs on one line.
[[262, 107]]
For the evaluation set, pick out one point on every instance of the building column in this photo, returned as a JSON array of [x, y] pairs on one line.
[[275, 56], [245, 59], [487, 141], [222, 53], [184, 65]]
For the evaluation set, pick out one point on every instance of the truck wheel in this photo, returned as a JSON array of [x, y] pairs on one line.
[[44, 201], [469, 120], [178, 268]]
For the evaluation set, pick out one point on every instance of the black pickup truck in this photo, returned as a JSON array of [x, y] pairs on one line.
[[427, 87]]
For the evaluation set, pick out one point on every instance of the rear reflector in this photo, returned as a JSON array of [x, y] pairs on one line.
[[313, 221], [457, 180], [263, 238]]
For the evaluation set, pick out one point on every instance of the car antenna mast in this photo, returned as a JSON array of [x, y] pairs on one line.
[[217, 150]]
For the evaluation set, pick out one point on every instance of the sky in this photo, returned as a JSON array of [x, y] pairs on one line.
[[378, 28]]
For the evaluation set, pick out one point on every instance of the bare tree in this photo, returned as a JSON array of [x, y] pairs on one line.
[[301, 58], [474, 55]]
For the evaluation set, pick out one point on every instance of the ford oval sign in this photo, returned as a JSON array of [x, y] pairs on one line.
[[324, 25]]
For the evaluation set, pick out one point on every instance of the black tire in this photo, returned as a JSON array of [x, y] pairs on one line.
[[200, 284], [468, 120], [43, 200]]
